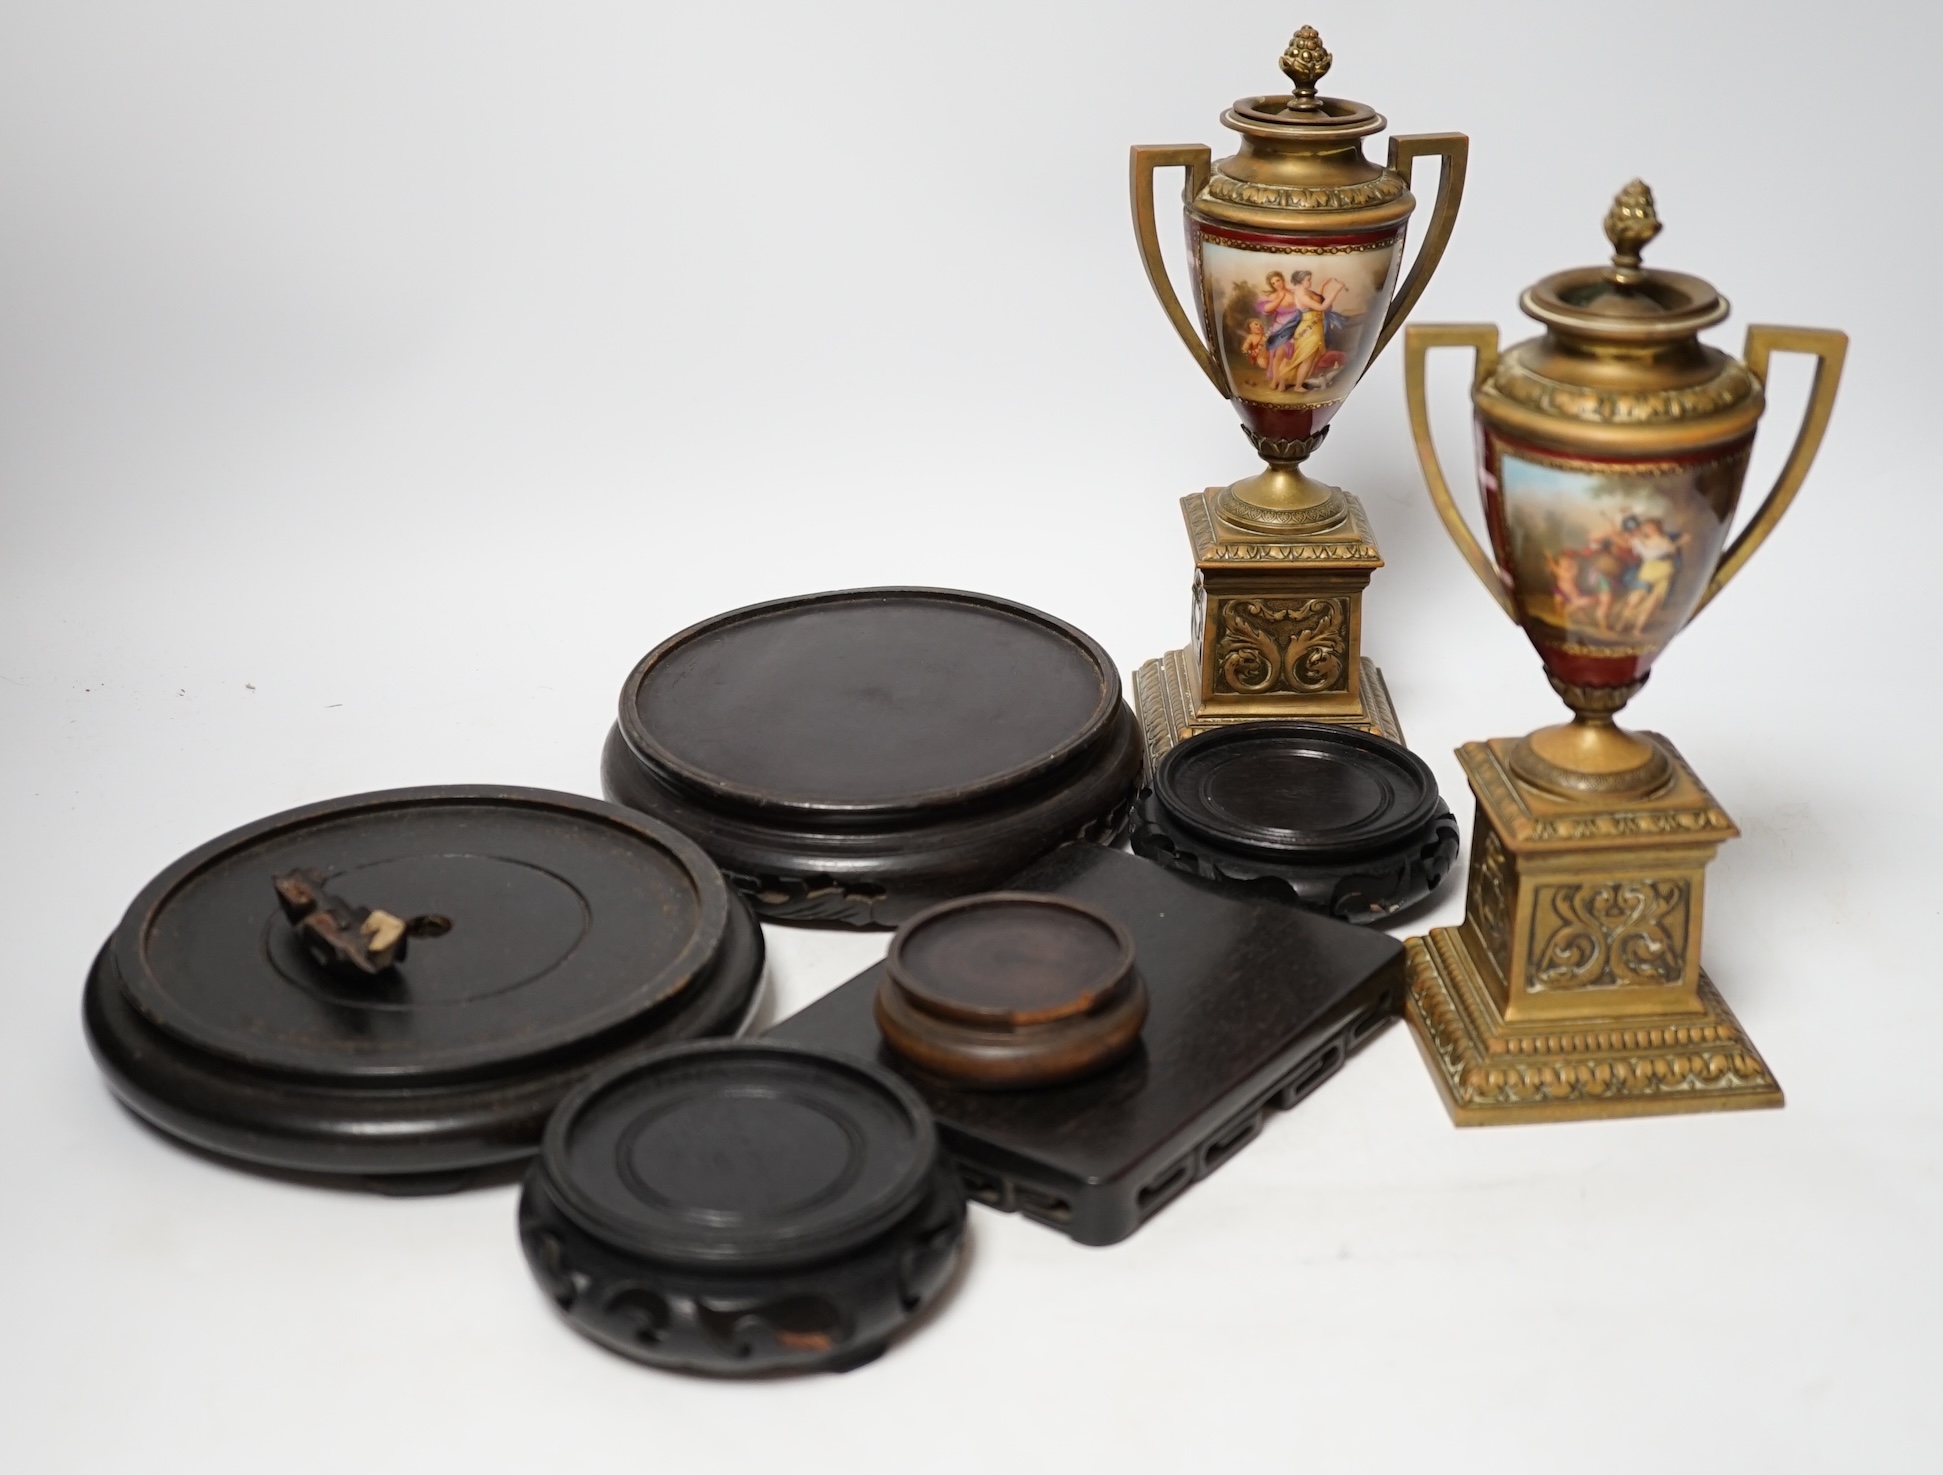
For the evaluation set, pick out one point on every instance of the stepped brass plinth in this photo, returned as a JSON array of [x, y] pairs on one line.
[[1277, 631], [1574, 989]]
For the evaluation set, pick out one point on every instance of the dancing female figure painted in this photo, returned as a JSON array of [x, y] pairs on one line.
[[1296, 318]]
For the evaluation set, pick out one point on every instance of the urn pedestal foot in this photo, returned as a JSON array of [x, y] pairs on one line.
[[1166, 694], [1574, 989], [1491, 1073], [1277, 629]]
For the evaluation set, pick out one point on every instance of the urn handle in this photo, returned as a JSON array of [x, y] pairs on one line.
[[1829, 347], [1146, 158], [1455, 150], [1422, 337]]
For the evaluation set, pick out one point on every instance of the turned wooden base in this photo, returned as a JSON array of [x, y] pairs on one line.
[[1489, 1072], [859, 755]]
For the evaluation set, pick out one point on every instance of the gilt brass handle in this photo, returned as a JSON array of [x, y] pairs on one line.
[[1829, 347], [1422, 337], [1455, 150], [1194, 158]]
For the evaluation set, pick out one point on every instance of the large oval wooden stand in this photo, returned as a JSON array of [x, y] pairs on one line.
[[554, 933]]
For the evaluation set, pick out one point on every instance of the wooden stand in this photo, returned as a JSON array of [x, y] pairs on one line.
[[551, 933], [1254, 1003], [1573, 989], [1352, 823], [742, 1209], [859, 755], [1011, 989], [1278, 631]]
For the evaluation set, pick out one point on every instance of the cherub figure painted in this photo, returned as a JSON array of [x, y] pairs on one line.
[[1254, 344]]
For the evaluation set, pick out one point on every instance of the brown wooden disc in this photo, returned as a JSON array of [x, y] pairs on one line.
[[1011, 989]]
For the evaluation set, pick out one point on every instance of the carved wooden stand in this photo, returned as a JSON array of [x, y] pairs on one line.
[[1573, 989], [1278, 631]]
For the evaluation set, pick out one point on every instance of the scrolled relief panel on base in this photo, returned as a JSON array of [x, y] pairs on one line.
[[1489, 896], [1267, 646], [1610, 934]]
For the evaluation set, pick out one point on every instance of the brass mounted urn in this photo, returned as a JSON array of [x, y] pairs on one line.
[[1295, 250], [1611, 452]]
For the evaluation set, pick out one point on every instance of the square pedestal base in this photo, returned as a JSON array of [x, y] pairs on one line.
[[1489, 1072], [1167, 695]]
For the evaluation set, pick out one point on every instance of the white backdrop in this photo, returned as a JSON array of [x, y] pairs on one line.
[[379, 380]]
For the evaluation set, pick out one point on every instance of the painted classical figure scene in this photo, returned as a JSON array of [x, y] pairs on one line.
[[1614, 559], [1297, 326], [1288, 338], [1619, 581]]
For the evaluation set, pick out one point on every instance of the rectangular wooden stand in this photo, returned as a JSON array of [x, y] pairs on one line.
[[1255, 1003]]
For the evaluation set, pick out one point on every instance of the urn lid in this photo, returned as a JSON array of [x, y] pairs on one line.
[[1301, 156], [1626, 302], [1305, 62], [1621, 368]]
